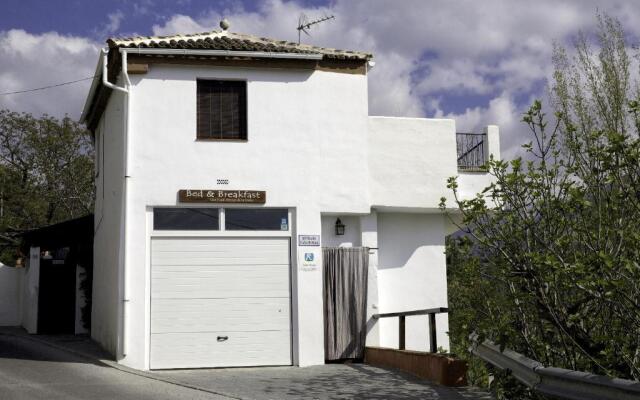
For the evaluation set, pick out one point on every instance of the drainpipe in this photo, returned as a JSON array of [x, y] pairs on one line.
[[125, 195], [105, 77], [124, 293]]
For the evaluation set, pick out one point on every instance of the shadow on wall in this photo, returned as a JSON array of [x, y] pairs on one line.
[[401, 236], [273, 75]]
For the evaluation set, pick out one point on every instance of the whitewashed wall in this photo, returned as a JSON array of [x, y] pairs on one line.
[[411, 276], [108, 226], [352, 233], [30, 291], [410, 160], [10, 295], [307, 130]]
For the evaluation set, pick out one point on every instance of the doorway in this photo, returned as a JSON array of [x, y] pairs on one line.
[[345, 271], [57, 296]]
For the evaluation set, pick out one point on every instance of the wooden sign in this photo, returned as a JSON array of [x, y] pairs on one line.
[[222, 196]]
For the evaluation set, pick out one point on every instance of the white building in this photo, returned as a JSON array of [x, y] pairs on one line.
[[286, 128]]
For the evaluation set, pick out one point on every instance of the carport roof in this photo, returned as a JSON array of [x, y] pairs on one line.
[[64, 233]]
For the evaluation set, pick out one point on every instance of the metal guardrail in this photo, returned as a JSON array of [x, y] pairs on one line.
[[471, 151], [431, 312], [555, 382]]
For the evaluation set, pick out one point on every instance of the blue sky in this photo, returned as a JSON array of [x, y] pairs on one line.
[[479, 62], [84, 17]]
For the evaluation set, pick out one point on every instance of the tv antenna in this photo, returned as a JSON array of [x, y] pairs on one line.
[[304, 24]]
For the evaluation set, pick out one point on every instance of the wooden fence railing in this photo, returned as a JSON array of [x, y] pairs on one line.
[[431, 312]]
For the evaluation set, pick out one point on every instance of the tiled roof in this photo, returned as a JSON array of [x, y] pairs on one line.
[[223, 40]]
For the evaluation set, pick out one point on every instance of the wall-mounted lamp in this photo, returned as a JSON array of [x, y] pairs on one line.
[[339, 227]]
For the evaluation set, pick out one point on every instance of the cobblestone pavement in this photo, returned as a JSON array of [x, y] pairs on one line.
[[66, 366]]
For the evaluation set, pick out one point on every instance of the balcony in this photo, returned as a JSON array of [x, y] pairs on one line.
[[411, 159], [472, 151]]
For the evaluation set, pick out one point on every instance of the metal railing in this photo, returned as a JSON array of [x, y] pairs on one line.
[[431, 312], [471, 151], [555, 382]]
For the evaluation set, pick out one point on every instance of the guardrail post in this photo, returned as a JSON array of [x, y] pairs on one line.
[[401, 331], [433, 340]]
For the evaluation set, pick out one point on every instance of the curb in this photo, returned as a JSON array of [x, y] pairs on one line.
[[115, 365]]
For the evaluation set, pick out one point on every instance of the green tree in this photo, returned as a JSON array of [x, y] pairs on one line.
[[46, 175], [550, 263]]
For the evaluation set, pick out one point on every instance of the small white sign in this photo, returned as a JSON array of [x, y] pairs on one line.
[[308, 240], [309, 260]]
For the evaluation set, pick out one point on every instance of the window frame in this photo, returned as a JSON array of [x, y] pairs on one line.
[[222, 232], [258, 209], [200, 137]]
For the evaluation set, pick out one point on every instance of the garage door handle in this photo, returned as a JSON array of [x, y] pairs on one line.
[[222, 338]]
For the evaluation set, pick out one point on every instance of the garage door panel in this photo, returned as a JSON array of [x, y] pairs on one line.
[[194, 350], [206, 280], [229, 285], [220, 244], [191, 259], [212, 288], [160, 269], [263, 251], [220, 281], [197, 315], [202, 288]]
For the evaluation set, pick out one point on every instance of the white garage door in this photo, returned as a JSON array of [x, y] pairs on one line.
[[220, 302]]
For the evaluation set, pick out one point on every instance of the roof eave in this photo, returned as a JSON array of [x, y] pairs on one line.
[[97, 78], [225, 53]]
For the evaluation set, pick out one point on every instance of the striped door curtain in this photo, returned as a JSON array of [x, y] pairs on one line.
[[345, 301]]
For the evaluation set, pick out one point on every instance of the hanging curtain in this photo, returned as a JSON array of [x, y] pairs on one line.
[[345, 301]]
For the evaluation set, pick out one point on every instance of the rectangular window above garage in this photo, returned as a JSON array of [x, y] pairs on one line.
[[222, 110], [256, 219], [186, 219]]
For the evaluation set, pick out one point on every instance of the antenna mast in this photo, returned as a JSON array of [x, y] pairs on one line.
[[304, 24]]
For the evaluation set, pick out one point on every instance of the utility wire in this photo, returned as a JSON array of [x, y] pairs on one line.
[[50, 86]]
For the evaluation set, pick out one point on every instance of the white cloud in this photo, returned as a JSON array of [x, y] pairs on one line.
[[115, 19], [179, 23], [30, 61], [425, 50], [461, 75]]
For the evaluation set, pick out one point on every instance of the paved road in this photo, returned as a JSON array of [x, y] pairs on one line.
[[30, 370], [324, 382]]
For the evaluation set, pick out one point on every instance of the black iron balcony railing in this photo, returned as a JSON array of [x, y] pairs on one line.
[[471, 151]]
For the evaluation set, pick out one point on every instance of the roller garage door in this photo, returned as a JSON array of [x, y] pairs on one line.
[[220, 302]]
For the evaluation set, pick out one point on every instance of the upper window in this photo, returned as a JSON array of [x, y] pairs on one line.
[[222, 110]]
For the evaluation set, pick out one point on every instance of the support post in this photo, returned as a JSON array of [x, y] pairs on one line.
[[433, 341], [401, 335]]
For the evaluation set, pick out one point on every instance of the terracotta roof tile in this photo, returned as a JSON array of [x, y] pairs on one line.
[[223, 40]]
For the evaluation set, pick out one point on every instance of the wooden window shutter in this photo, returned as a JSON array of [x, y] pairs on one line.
[[222, 109]]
